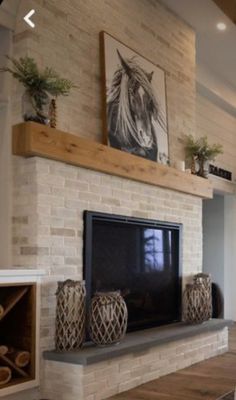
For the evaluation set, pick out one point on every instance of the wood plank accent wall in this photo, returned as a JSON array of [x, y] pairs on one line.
[[31, 139]]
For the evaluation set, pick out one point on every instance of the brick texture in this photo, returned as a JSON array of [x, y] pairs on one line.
[[51, 235], [107, 378], [49, 198]]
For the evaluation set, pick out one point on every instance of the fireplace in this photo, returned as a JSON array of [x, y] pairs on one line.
[[139, 257]]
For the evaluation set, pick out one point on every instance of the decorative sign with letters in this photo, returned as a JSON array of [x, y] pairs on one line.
[[222, 173]]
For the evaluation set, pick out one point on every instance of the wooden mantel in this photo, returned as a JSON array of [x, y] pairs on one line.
[[32, 139]]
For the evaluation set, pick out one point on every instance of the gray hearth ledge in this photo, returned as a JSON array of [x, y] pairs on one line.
[[136, 342]]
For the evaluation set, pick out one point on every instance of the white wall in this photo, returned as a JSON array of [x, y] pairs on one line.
[[230, 257], [216, 118], [219, 126], [219, 248], [5, 154], [213, 239]]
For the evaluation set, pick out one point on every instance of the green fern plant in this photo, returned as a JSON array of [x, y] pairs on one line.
[[200, 148], [40, 85]]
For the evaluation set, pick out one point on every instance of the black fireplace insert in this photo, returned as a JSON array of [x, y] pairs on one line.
[[139, 257]]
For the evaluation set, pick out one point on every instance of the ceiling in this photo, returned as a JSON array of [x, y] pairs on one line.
[[228, 7], [215, 50]]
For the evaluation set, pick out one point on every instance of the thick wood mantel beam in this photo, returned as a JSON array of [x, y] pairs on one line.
[[31, 139]]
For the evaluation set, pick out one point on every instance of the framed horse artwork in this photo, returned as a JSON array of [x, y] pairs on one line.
[[135, 110]]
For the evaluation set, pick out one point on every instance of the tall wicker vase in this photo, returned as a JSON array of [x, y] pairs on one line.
[[195, 304], [205, 281], [108, 318], [70, 315]]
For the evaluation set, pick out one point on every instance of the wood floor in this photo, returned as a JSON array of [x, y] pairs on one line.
[[206, 380]]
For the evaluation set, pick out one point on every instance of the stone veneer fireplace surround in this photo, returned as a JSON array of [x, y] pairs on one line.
[[48, 203], [95, 373], [49, 196]]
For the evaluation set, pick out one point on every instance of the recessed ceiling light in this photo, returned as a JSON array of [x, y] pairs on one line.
[[221, 26]]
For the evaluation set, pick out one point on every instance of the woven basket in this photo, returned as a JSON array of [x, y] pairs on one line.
[[205, 281], [70, 315], [108, 318], [195, 304]]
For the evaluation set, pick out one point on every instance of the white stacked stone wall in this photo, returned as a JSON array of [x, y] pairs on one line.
[[104, 379], [48, 204], [49, 197]]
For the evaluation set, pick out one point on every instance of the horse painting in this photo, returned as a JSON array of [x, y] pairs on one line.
[[133, 110]]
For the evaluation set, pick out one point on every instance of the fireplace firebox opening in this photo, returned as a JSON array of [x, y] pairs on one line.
[[139, 257]]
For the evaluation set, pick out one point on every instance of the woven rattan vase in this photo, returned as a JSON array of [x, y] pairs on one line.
[[195, 304], [70, 315], [205, 281], [108, 318]]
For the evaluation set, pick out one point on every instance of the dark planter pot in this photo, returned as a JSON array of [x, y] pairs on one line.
[[31, 111]]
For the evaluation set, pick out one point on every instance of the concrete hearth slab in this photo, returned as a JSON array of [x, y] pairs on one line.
[[136, 342]]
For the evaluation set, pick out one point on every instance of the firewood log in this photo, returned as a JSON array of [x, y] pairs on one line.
[[10, 350], [5, 375], [3, 350], [20, 357], [5, 360], [1, 310]]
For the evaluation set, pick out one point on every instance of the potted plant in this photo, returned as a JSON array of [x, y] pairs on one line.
[[200, 152], [40, 88]]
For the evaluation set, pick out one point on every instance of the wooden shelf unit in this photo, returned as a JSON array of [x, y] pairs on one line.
[[18, 329], [12, 299], [32, 139]]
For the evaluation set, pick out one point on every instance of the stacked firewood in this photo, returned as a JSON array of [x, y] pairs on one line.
[[12, 360]]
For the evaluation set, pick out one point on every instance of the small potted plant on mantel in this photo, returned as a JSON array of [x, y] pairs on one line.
[[199, 152], [41, 89]]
